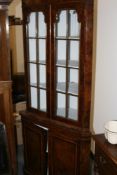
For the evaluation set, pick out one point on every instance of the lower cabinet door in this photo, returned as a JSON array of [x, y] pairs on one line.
[[63, 154], [35, 145], [67, 152]]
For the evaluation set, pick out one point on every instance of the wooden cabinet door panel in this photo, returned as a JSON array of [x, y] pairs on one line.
[[35, 140], [63, 156]]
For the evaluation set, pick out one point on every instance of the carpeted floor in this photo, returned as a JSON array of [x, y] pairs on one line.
[[20, 160]]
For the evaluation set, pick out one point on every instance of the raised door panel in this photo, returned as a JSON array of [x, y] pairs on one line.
[[63, 156], [35, 139]]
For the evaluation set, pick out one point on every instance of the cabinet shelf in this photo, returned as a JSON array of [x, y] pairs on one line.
[[71, 64], [67, 38], [61, 87], [72, 87], [41, 85], [42, 62]]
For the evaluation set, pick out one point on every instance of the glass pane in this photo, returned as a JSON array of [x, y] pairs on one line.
[[74, 24], [73, 81], [42, 50], [61, 104], [34, 97], [73, 108], [41, 25], [42, 75], [61, 50], [32, 25], [62, 21], [74, 50], [33, 74], [61, 79], [74, 75], [42, 100], [32, 50]]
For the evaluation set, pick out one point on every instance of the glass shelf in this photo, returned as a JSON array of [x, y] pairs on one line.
[[33, 85], [41, 85], [67, 38], [61, 86], [43, 62], [71, 64], [61, 63], [33, 61], [72, 87]]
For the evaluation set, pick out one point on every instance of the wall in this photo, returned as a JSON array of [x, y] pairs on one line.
[[16, 38], [104, 107]]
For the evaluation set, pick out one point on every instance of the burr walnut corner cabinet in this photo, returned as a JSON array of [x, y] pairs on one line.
[[58, 64]]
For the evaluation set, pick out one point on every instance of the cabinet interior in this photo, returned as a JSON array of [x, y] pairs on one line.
[[67, 46]]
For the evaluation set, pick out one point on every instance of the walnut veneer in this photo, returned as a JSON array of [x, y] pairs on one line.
[[63, 130]]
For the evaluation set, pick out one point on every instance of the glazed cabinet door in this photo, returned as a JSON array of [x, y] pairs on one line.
[[37, 59], [35, 156], [66, 61], [67, 42], [71, 62]]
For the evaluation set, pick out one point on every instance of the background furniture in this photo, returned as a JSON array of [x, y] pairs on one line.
[[6, 117], [5, 84], [105, 156], [18, 86], [4, 157], [58, 64]]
